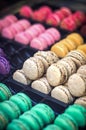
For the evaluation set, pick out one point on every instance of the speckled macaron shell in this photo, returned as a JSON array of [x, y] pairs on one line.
[[77, 85], [82, 70], [62, 93], [56, 74], [33, 68], [19, 76], [81, 101], [41, 85]]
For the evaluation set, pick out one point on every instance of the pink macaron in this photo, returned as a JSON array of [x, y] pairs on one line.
[[68, 24], [8, 33], [59, 14], [11, 18], [26, 11], [25, 24], [54, 33], [38, 43], [45, 10], [21, 38], [66, 11], [53, 19]]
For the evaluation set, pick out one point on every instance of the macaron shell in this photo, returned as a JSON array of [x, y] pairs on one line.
[[81, 101], [52, 127]]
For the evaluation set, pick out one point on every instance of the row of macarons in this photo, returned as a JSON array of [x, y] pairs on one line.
[[24, 33], [35, 117], [41, 116], [62, 17], [4, 63]]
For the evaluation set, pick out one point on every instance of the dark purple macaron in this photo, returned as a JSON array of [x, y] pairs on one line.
[[4, 66], [2, 53]]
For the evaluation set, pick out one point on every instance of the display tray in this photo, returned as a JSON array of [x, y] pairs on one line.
[[18, 53]]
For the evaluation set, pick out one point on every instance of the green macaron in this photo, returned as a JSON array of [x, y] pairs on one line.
[[52, 127], [77, 114], [34, 115], [3, 121], [17, 125], [10, 109], [22, 101], [5, 93], [44, 112], [30, 120], [64, 123]]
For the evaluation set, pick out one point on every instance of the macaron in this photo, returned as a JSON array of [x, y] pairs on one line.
[[65, 11], [22, 101], [59, 14], [56, 74], [81, 101], [41, 85], [77, 85], [17, 125], [82, 48], [19, 76], [62, 94], [3, 121], [77, 38], [33, 68], [52, 126], [10, 109], [82, 70], [65, 121], [5, 92], [4, 66], [78, 114], [59, 50], [45, 112], [26, 11]]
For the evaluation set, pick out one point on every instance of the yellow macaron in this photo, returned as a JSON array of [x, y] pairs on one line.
[[82, 48], [77, 38]]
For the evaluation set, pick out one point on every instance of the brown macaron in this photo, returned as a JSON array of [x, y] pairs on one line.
[[62, 93]]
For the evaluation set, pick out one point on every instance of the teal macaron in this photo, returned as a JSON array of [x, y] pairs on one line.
[[5, 92], [17, 125], [3, 121], [78, 113], [52, 127], [10, 109], [22, 101], [44, 112]]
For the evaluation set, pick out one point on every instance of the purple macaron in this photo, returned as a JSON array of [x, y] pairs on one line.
[[2, 53], [4, 66]]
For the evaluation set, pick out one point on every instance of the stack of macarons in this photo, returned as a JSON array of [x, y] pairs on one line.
[[77, 82], [35, 67], [11, 31], [35, 119], [13, 108], [46, 39], [7, 21], [29, 34], [57, 16], [72, 22], [59, 72], [4, 63], [5, 92], [71, 42]]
